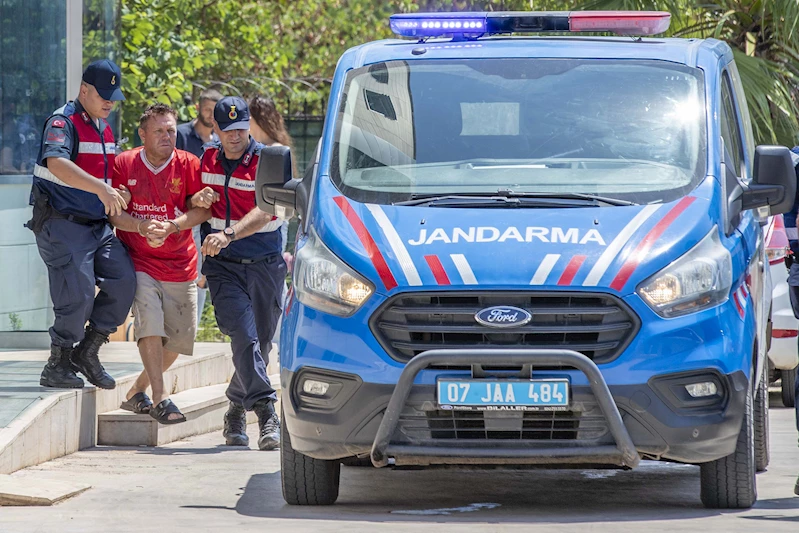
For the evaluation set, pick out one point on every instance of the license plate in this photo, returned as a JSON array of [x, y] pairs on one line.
[[544, 394]]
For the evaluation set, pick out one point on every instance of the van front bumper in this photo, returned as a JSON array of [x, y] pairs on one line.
[[613, 426]]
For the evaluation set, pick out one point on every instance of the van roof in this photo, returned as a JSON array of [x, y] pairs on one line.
[[683, 51]]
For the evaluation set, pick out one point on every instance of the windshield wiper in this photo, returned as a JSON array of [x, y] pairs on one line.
[[509, 198], [483, 200], [564, 196]]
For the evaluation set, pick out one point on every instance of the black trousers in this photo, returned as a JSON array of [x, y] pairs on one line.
[[247, 306], [78, 257]]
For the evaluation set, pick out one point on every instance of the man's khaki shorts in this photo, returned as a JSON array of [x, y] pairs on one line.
[[167, 310]]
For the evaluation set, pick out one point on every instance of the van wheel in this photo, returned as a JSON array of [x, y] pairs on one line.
[[762, 453], [788, 378], [307, 481], [729, 482]]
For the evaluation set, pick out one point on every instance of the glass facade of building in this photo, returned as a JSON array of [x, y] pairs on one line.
[[35, 55], [33, 71], [33, 61]]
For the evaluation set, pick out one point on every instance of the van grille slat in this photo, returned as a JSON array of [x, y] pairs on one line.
[[440, 425], [596, 324]]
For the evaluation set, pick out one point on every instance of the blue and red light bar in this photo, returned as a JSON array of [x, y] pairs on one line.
[[477, 23]]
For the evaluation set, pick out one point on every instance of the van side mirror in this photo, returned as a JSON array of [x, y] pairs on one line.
[[275, 191], [774, 181]]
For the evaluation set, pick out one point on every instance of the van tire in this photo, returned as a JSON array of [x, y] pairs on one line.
[[305, 480], [729, 482], [788, 378], [762, 453]]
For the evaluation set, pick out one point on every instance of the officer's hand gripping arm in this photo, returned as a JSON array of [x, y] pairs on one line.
[[74, 176], [204, 198], [124, 193]]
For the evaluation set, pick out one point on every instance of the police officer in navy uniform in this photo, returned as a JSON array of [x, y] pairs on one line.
[[72, 198], [245, 271]]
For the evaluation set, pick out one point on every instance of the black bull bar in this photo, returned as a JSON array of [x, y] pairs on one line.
[[622, 454]]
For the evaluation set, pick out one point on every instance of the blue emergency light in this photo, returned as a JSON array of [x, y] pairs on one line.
[[476, 23]]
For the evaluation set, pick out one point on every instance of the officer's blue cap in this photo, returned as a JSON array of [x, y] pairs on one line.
[[106, 77], [232, 113]]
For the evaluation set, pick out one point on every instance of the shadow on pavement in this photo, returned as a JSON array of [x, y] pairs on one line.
[[669, 492], [150, 450], [779, 503], [774, 518]]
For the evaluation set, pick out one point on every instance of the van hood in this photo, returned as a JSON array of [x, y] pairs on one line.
[[397, 247]]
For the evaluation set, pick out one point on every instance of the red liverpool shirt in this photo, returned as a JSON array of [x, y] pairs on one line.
[[160, 194]]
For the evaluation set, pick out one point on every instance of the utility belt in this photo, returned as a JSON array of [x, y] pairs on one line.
[[269, 259], [43, 211]]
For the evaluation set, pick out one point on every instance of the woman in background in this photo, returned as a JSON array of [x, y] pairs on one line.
[[267, 127]]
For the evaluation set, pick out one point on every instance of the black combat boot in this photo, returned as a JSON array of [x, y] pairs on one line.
[[235, 431], [268, 425], [58, 371], [86, 361]]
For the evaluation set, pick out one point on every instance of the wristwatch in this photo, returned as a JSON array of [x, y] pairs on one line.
[[230, 232]]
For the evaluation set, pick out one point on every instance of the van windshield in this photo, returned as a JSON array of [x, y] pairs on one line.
[[628, 130]]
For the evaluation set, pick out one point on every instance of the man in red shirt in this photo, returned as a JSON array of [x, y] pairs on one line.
[[156, 229]]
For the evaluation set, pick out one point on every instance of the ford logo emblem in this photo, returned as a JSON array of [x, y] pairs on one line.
[[503, 317]]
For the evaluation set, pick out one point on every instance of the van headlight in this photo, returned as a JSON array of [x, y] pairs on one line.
[[698, 280], [322, 280]]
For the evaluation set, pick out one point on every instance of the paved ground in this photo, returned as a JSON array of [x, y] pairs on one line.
[[197, 485]]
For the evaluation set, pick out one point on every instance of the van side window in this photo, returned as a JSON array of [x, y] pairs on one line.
[[730, 129], [746, 119]]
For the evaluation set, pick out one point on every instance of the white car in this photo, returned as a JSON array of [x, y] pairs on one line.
[[783, 351]]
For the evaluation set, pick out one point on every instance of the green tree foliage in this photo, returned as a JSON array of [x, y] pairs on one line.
[[764, 36], [163, 49], [288, 49], [207, 330]]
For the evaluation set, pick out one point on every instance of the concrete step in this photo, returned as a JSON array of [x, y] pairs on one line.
[[63, 422], [204, 408]]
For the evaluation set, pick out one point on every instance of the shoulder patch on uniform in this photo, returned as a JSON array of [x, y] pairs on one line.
[[58, 123], [55, 137]]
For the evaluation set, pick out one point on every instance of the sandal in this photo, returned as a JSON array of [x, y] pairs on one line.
[[162, 411], [139, 403]]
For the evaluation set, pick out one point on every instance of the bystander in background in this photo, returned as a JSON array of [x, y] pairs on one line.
[[191, 137]]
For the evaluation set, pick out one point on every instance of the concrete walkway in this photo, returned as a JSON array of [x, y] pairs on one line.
[[38, 424], [200, 485], [20, 371]]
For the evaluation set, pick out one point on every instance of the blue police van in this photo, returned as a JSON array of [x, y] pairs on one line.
[[521, 246]]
